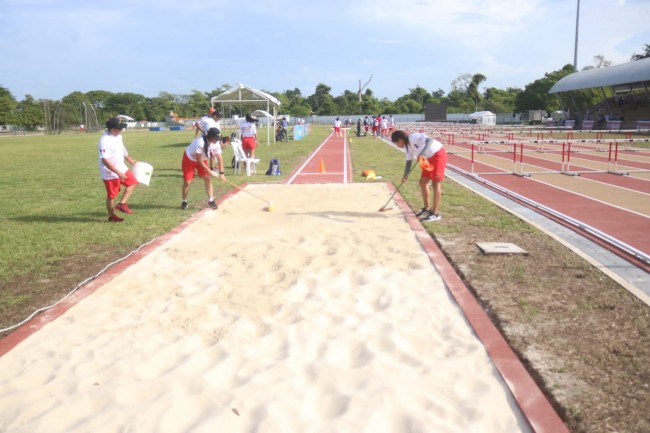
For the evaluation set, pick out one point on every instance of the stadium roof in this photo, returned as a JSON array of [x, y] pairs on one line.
[[635, 74]]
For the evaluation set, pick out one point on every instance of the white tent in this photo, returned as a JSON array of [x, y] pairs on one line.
[[485, 118], [247, 96]]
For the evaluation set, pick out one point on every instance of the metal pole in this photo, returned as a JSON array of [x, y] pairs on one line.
[[575, 51]]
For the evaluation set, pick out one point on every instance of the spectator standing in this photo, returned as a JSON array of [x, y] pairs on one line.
[[285, 131]]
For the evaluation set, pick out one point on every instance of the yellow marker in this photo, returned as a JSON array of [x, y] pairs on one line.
[[270, 208]]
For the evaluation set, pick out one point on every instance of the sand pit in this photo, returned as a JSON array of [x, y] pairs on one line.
[[322, 316]]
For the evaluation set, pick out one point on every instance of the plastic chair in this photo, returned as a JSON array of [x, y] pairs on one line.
[[240, 157]]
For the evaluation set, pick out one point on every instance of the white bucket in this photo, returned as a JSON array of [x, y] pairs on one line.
[[142, 172]]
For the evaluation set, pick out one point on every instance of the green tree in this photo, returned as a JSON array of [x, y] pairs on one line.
[[321, 101], [194, 105], [7, 107], [472, 89], [535, 95], [500, 101], [644, 55], [128, 104], [29, 113]]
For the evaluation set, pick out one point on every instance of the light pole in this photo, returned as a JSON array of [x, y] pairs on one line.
[[575, 51]]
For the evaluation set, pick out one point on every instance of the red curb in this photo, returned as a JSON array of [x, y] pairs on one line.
[[534, 405]]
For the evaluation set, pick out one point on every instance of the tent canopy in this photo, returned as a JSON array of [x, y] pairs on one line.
[[484, 117], [478, 114], [247, 96], [261, 113]]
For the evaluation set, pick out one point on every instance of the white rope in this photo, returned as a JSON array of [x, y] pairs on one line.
[[84, 282]]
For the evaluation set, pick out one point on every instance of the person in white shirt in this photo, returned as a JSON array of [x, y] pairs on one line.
[[432, 158], [248, 132], [211, 120], [195, 158], [337, 127], [113, 169], [383, 127]]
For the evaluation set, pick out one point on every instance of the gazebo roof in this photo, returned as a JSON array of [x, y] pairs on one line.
[[242, 94]]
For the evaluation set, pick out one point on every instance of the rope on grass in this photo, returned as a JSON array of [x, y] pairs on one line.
[[84, 282]]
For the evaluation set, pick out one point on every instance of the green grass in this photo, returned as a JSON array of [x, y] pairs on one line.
[[52, 203]]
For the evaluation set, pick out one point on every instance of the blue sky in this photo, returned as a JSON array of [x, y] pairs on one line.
[[51, 48]]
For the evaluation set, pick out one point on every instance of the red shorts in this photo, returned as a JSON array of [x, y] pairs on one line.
[[337, 129], [438, 160], [113, 185], [248, 143], [189, 166]]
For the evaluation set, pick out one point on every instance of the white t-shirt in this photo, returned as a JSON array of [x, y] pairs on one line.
[[384, 124], [417, 142], [337, 123], [111, 148], [248, 129], [195, 149], [208, 122]]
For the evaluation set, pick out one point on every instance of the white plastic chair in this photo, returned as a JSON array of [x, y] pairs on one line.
[[240, 157]]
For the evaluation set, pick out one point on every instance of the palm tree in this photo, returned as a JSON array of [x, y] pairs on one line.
[[472, 88]]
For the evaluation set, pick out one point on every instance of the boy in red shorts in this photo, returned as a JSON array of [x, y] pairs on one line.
[[113, 169], [433, 159]]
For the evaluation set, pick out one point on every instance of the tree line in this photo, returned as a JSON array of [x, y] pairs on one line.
[[464, 96]]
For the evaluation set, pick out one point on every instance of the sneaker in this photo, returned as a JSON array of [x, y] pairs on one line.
[[432, 217], [212, 205], [423, 212], [115, 219], [184, 205], [123, 207]]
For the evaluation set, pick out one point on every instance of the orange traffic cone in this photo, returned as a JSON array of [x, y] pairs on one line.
[[322, 165]]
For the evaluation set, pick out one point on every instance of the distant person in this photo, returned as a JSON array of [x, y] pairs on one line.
[[285, 129], [391, 124], [366, 125], [210, 120], [383, 127], [359, 122], [196, 158], [337, 127], [434, 155], [248, 132], [113, 169]]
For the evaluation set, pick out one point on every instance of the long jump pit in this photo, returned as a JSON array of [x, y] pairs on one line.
[[324, 315]]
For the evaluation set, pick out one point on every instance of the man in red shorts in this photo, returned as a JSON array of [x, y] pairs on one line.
[[433, 159], [113, 169]]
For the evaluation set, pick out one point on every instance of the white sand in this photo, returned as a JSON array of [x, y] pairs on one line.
[[322, 316]]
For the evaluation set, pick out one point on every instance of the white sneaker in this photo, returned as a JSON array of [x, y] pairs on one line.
[[432, 217]]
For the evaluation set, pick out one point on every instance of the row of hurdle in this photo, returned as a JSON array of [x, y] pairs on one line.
[[516, 147]]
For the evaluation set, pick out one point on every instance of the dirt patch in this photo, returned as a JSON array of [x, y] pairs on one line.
[[25, 294]]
